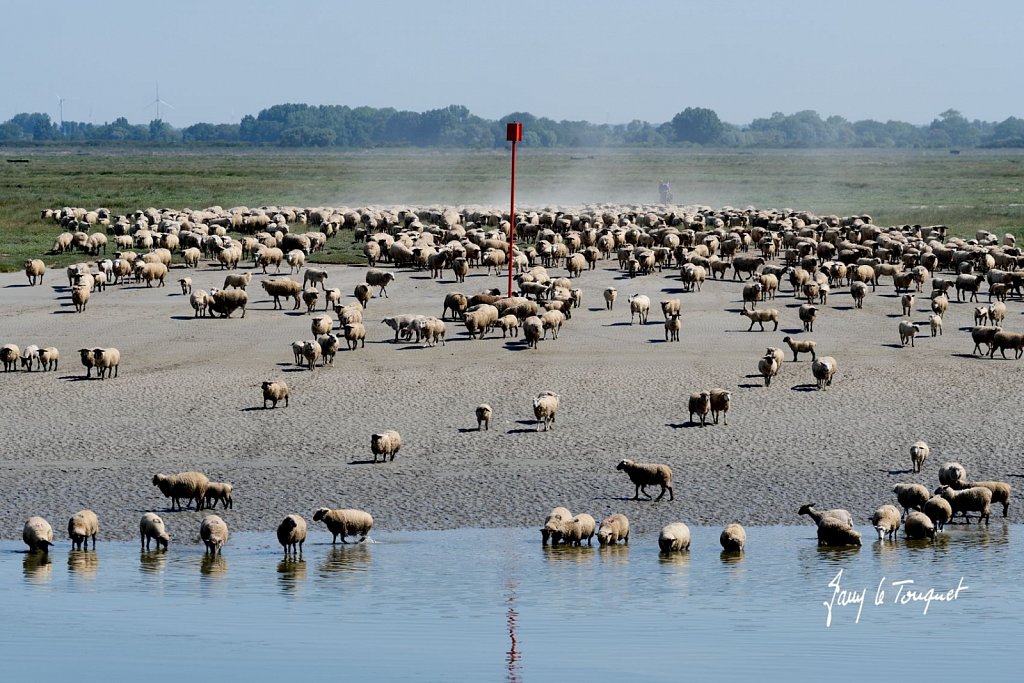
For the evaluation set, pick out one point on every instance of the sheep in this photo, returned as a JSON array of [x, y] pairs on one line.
[[460, 269], [997, 312], [219, 491], [1006, 340], [639, 305], [269, 256], [345, 522], [983, 335], [34, 269], [214, 532], [721, 401], [200, 301], [399, 323], [88, 360], [918, 526], [614, 528], [533, 329], [648, 474], [553, 522], [385, 444], [935, 323], [310, 353], [191, 257], [808, 314], [610, 294], [37, 534], [575, 530], [509, 325], [10, 354], [833, 532], [237, 280], [907, 301], [363, 293], [186, 285], [187, 486], [29, 357], [939, 511], [296, 259], [886, 521], [457, 303], [768, 366], [379, 278], [328, 348], [104, 360], [700, 403], [282, 288], [48, 358], [918, 454], [310, 297], [981, 315], [82, 526], [227, 302], [552, 320], [314, 276], [674, 537], [746, 264], [967, 283], [751, 293], [858, 290], [824, 369], [152, 527], [761, 317], [1000, 491], [976, 499], [545, 406], [670, 307], [733, 538], [483, 416], [801, 346], [952, 473], [151, 272], [839, 514], [911, 496], [908, 331], [79, 297], [291, 534], [672, 326], [939, 305], [275, 391]]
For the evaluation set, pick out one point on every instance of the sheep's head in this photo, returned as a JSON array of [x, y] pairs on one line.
[[623, 464], [806, 509], [320, 514]]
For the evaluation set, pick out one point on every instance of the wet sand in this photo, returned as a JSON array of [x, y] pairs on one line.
[[188, 398]]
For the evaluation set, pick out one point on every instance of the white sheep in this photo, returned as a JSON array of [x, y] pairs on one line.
[[639, 305], [977, 499], [824, 369], [614, 528], [355, 334], [79, 297], [310, 353], [552, 320], [345, 522], [911, 496], [48, 358], [314, 276], [700, 404], [1000, 491], [886, 521], [575, 530], [674, 537], [981, 315], [82, 526], [509, 325], [34, 269], [214, 533], [761, 317], [610, 294], [152, 527], [918, 454], [37, 534], [553, 522], [907, 300], [321, 324], [545, 406], [908, 330], [768, 366], [798, 346], [291, 534], [733, 538], [186, 486], [935, 323], [282, 288], [385, 444], [219, 492], [918, 526], [275, 391], [483, 416], [29, 357], [332, 297], [648, 474]]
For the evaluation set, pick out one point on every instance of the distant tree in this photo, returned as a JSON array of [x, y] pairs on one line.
[[696, 124], [952, 129]]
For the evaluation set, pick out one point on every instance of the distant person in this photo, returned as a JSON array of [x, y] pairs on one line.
[[665, 192]]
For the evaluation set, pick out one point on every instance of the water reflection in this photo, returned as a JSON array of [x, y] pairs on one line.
[[37, 567], [291, 573], [153, 561], [83, 563], [346, 559], [213, 566], [570, 554], [731, 557], [676, 558], [513, 655], [614, 555]]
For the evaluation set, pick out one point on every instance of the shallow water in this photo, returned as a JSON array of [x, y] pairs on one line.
[[491, 604]]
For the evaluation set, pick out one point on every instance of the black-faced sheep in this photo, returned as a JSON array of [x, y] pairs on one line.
[[106, 360], [346, 522], [214, 533], [385, 444], [733, 538], [918, 526], [48, 358], [648, 474], [639, 305], [483, 417], [82, 526], [721, 401], [291, 534], [37, 534], [700, 404]]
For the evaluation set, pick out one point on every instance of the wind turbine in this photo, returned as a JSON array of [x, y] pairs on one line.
[[60, 108], [158, 102]]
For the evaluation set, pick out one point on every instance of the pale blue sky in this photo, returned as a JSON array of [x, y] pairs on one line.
[[602, 61]]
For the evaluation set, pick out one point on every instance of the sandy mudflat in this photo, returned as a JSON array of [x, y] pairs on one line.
[[187, 398]]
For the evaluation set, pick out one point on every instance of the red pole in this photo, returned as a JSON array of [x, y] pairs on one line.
[[512, 220]]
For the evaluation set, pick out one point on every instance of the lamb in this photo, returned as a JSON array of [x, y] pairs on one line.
[[935, 323], [939, 305], [545, 406], [363, 293], [952, 473], [48, 358], [106, 360], [355, 334], [977, 499], [639, 305], [237, 280], [918, 526], [808, 314], [674, 537], [310, 297], [187, 486], [983, 335], [1000, 491], [82, 526], [345, 522], [214, 532], [186, 285], [801, 346], [648, 474], [219, 491], [721, 401], [275, 391], [672, 327], [385, 444], [610, 294], [939, 511], [315, 276], [37, 534], [80, 297], [768, 366], [282, 288], [483, 417], [554, 522], [833, 532], [575, 530], [908, 331], [733, 538], [152, 527], [700, 403], [918, 454], [399, 323], [227, 302], [509, 325], [34, 269], [291, 534], [886, 521], [911, 496], [379, 278], [1006, 340], [980, 315], [907, 300], [761, 317], [614, 528], [823, 370]]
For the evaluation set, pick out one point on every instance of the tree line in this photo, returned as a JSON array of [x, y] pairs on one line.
[[339, 126]]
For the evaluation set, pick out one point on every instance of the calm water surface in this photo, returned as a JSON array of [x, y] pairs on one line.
[[491, 604]]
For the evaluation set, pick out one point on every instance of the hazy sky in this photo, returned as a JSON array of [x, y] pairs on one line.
[[602, 61]]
